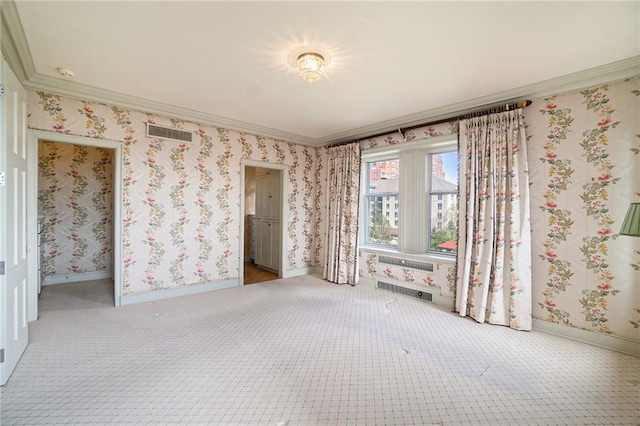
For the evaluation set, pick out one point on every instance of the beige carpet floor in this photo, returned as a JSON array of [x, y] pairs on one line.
[[303, 352]]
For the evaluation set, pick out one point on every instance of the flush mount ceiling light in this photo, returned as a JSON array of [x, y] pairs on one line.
[[310, 66]]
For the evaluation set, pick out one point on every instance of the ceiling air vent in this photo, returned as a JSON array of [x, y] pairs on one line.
[[155, 131]]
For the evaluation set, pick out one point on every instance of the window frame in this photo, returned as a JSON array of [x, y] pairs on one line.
[[414, 183]]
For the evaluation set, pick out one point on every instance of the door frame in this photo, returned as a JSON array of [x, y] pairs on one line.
[[284, 184], [34, 136]]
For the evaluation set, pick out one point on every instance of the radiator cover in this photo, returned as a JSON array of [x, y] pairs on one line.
[[413, 264], [418, 294]]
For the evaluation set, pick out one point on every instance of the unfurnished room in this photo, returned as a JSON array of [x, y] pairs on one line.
[[320, 213]]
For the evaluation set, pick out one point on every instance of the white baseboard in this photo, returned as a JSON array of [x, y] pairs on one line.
[[607, 341], [168, 293], [302, 271], [367, 282], [76, 277]]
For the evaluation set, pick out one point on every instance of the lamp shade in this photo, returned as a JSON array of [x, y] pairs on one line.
[[631, 224]]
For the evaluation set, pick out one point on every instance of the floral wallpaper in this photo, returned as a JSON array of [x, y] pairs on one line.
[[181, 201], [181, 216], [584, 173], [75, 196], [584, 162]]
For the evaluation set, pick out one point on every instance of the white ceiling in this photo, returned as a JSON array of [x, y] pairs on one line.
[[391, 63]]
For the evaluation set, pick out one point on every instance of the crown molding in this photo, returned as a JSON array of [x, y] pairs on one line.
[[17, 54], [15, 49], [83, 91], [14, 42], [611, 72]]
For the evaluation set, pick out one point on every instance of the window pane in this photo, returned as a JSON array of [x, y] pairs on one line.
[[383, 177], [444, 223], [382, 197], [444, 172], [380, 230], [443, 202]]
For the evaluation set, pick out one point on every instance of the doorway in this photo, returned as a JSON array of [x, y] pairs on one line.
[[262, 217], [77, 202]]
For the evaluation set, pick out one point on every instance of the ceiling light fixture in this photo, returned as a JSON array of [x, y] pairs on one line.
[[310, 66]]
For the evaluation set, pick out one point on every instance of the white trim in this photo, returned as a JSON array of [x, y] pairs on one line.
[[284, 188], [422, 257], [414, 215], [14, 42], [607, 341], [82, 91], [76, 277], [367, 282], [32, 230], [32, 204], [304, 271], [167, 293]]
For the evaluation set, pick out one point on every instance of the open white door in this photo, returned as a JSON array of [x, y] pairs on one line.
[[13, 222]]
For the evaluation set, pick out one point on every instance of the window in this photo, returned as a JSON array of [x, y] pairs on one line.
[[381, 185], [443, 189], [419, 179]]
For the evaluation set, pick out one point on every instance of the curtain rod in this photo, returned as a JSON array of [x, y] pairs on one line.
[[486, 110]]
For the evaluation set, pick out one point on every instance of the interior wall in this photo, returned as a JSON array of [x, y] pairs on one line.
[[249, 206], [181, 220], [75, 196], [584, 167], [583, 147], [584, 171]]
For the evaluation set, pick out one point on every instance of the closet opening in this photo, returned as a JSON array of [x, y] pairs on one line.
[[262, 223], [77, 200]]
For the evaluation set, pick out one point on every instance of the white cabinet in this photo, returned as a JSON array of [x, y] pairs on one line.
[[268, 196], [252, 237], [267, 220], [268, 243]]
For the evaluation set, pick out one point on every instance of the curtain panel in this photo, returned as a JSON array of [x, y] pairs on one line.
[[343, 190], [493, 281]]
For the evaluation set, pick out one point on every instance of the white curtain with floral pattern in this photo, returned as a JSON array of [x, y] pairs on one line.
[[493, 282], [343, 188]]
